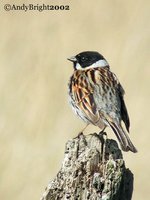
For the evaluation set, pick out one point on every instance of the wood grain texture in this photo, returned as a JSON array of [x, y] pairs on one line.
[[93, 168]]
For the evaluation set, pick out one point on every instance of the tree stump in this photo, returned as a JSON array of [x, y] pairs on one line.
[[93, 168]]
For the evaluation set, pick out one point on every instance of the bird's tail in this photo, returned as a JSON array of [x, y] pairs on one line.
[[123, 137]]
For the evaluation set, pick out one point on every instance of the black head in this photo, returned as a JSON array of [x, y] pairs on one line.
[[86, 59]]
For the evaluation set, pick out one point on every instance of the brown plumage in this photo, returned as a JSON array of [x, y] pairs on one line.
[[97, 98]]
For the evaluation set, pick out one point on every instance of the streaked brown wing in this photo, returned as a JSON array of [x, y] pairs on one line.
[[83, 89], [83, 95]]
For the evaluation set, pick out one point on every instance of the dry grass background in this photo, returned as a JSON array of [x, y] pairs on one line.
[[35, 118]]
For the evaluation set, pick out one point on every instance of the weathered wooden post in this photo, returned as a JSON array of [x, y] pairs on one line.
[[93, 168]]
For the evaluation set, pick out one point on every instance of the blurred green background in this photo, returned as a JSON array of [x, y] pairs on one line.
[[35, 117]]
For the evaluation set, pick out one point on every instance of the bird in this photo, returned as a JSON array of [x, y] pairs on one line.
[[97, 97]]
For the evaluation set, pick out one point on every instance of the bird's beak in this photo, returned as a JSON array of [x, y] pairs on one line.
[[72, 59]]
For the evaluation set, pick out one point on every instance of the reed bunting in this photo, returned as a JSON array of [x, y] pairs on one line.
[[97, 96]]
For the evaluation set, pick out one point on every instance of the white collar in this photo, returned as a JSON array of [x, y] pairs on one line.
[[99, 63]]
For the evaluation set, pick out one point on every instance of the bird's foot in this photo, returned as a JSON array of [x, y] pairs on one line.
[[102, 133], [79, 134]]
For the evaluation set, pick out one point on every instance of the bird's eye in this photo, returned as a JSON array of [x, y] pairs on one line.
[[83, 59]]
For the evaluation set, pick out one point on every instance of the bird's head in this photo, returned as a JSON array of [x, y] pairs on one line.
[[88, 59]]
